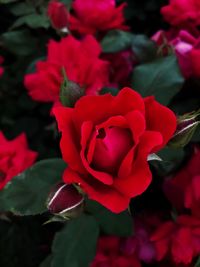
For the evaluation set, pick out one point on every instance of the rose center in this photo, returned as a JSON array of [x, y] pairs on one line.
[[112, 145]]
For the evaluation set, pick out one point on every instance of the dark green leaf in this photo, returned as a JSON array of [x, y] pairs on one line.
[[144, 48], [111, 223], [75, 245], [161, 78], [197, 264], [7, 1], [116, 41], [67, 2], [33, 21], [46, 262], [20, 9], [26, 194], [171, 159], [21, 43]]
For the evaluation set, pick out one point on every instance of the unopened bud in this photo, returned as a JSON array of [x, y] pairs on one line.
[[70, 91], [64, 200], [186, 127], [58, 14]]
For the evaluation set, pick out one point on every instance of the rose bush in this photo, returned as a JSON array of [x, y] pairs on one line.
[[106, 141]]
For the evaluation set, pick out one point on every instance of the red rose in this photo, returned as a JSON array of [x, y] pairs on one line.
[[97, 15], [80, 59], [106, 141], [183, 13], [180, 239], [121, 67], [15, 157], [183, 190], [109, 254], [58, 14]]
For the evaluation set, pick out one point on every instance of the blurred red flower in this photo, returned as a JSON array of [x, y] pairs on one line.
[[182, 13], [180, 239], [184, 189], [91, 17], [109, 254], [15, 157], [121, 66], [58, 14], [81, 62]]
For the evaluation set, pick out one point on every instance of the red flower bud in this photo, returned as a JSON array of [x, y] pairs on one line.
[[58, 15], [65, 200]]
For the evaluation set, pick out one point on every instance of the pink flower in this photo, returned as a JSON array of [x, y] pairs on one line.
[[15, 157], [186, 47], [91, 17]]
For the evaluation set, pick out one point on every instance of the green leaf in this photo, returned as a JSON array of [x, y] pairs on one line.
[[161, 78], [197, 264], [21, 43], [110, 223], [68, 3], [26, 194], [75, 244], [7, 1], [144, 49], [171, 159], [33, 21], [116, 41], [20, 9]]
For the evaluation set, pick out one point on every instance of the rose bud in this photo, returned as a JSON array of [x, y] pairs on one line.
[[58, 14], [65, 200], [70, 91], [186, 126]]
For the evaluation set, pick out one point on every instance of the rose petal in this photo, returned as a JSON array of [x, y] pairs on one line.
[[137, 182], [160, 119], [70, 147], [97, 111], [127, 100]]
